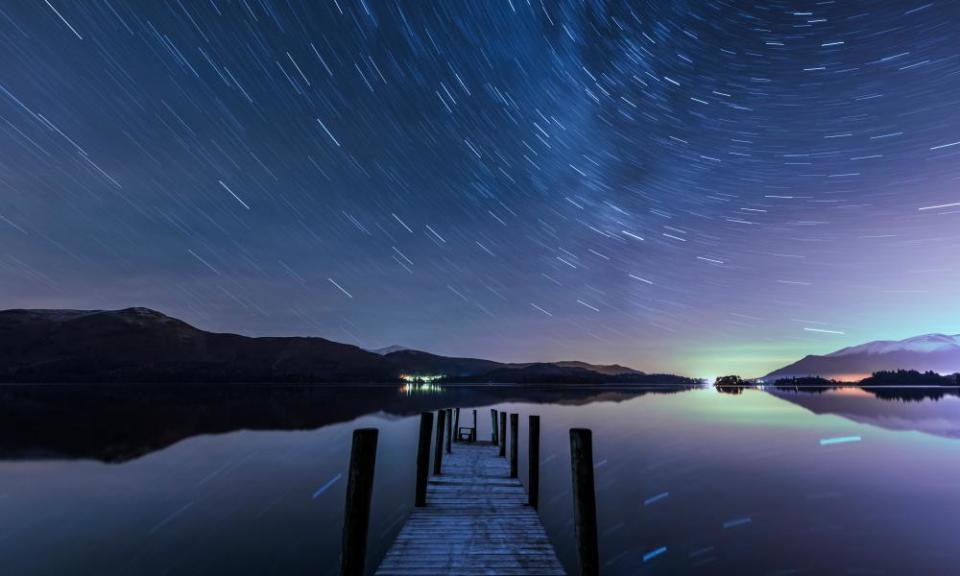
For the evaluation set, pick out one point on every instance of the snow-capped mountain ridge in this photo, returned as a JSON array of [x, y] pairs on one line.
[[923, 343], [930, 352]]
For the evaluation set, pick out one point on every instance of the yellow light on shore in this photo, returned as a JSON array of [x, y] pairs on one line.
[[421, 378]]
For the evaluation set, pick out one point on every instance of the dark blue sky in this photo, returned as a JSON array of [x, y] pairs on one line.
[[695, 187]]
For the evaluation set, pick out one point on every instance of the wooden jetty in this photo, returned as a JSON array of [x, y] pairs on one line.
[[473, 515], [476, 521]]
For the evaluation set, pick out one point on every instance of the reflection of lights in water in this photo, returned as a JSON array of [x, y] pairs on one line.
[[851, 392], [421, 383], [420, 388]]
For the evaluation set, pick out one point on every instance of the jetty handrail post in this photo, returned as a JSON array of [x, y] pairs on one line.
[[356, 513], [584, 501], [423, 457], [473, 435], [503, 434], [533, 464], [456, 424], [449, 412], [493, 428], [438, 449], [514, 443]]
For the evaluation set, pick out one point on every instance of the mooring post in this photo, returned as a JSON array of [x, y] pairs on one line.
[[584, 500], [423, 457], [438, 449], [514, 444], [449, 428], [456, 425], [356, 513], [503, 434], [493, 428], [533, 464], [473, 435]]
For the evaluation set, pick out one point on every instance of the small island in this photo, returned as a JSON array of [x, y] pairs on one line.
[[732, 384]]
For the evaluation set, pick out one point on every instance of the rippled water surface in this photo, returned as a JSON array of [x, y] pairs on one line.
[[251, 480]]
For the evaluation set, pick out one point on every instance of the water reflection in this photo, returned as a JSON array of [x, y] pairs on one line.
[[929, 410], [118, 424], [891, 393], [250, 481]]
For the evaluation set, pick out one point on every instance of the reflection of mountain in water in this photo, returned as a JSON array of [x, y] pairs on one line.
[[930, 410], [117, 424], [902, 385]]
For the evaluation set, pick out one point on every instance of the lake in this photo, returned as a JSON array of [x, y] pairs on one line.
[[251, 480]]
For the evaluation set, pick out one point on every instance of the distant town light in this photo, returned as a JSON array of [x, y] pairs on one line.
[[421, 378]]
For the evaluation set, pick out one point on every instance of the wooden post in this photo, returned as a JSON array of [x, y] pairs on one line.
[[503, 434], [456, 425], [584, 500], [449, 412], [438, 449], [356, 513], [493, 428], [473, 435], [423, 457], [514, 434], [533, 464]]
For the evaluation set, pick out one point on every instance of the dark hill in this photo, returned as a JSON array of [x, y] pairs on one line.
[[608, 369], [142, 345], [543, 373], [417, 362]]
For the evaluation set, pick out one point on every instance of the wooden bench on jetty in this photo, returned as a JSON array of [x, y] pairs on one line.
[[473, 515]]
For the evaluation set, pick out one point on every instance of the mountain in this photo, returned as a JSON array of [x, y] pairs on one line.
[[476, 369], [934, 352], [417, 362], [142, 345], [555, 373], [388, 349], [608, 369]]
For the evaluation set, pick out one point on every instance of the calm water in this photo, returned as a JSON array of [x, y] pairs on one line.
[[250, 482]]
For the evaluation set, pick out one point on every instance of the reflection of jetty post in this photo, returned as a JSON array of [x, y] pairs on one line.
[[438, 451], [533, 462], [493, 427], [423, 457], [514, 433], [356, 513], [584, 500]]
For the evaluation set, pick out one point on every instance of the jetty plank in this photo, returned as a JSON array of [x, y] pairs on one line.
[[476, 521]]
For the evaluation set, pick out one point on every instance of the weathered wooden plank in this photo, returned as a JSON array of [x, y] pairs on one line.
[[476, 521]]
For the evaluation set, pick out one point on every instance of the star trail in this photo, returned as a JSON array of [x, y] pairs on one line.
[[682, 186]]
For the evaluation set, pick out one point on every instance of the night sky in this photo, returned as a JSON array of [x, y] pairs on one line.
[[696, 187]]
